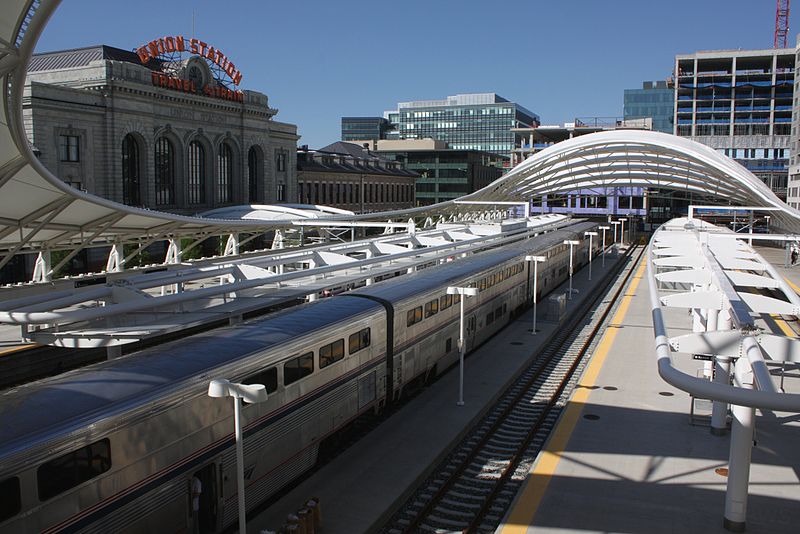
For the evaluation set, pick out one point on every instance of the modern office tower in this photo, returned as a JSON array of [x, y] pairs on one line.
[[364, 128], [655, 100], [793, 187], [739, 102], [444, 173], [477, 121]]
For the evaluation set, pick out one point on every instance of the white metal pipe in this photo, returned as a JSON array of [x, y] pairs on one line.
[[535, 283], [461, 348], [741, 447]]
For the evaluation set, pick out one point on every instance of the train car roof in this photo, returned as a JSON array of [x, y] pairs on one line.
[[398, 289], [39, 407]]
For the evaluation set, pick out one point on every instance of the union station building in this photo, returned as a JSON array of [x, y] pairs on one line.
[[164, 127]]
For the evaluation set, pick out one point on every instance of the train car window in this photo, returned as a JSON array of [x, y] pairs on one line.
[[297, 368], [73, 468], [489, 318], [269, 378], [331, 353], [448, 344], [414, 316], [431, 308], [456, 298], [10, 499], [498, 312], [359, 340]]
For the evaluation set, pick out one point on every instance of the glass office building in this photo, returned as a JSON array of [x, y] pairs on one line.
[[364, 128], [478, 121], [654, 100]]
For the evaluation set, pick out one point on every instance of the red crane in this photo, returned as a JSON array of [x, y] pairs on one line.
[[781, 23]]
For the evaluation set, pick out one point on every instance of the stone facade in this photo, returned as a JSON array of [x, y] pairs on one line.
[[246, 157]]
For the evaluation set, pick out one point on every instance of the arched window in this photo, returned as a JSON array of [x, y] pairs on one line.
[[165, 172], [253, 174], [225, 177], [130, 171], [197, 174]]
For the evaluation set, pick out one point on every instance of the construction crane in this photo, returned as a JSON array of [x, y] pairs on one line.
[[781, 23]]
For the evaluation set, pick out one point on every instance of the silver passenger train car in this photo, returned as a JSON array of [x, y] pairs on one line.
[[113, 447]]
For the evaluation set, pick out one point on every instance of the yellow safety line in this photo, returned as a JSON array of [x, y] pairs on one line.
[[525, 509], [792, 285], [18, 348]]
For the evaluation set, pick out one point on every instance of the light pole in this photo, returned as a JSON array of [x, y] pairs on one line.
[[591, 235], [462, 346], [622, 230], [767, 218], [604, 228], [571, 244], [616, 224], [536, 260], [251, 394]]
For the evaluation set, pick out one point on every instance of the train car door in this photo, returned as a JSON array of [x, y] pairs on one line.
[[470, 327], [204, 499]]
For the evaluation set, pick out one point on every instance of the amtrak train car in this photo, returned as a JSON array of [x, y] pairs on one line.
[[113, 447]]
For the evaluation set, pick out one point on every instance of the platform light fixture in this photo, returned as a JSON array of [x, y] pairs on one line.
[[591, 235], [251, 394], [462, 346], [536, 260], [571, 244], [604, 228], [622, 230]]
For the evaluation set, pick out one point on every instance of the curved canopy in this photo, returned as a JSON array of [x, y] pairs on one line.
[[637, 158]]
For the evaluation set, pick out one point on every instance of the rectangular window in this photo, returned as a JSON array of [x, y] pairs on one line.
[[298, 368], [281, 193], [69, 148], [359, 340], [10, 500], [281, 161], [414, 316], [489, 318], [431, 308], [73, 468], [448, 344], [331, 353], [269, 378], [445, 302]]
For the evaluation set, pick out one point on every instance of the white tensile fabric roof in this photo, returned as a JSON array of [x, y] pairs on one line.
[[38, 210], [638, 158]]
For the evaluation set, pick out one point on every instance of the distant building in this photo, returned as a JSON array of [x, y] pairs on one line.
[[601, 201], [739, 102], [174, 135], [364, 128], [348, 176], [478, 121], [793, 186], [444, 173], [655, 100]]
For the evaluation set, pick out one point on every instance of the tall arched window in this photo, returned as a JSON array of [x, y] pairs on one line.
[[225, 170], [130, 171], [196, 181], [165, 172], [253, 174]]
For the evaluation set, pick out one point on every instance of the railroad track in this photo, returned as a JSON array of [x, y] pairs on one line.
[[473, 487]]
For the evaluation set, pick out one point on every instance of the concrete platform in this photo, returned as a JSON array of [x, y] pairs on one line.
[[361, 487], [636, 464]]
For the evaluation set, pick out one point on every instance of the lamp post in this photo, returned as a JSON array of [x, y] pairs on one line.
[[462, 346], [251, 394], [571, 244], [616, 224], [536, 260], [591, 235], [767, 218], [604, 228], [622, 230]]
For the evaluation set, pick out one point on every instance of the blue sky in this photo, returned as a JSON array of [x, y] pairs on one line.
[[321, 60]]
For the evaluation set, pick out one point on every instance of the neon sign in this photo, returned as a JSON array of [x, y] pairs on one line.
[[177, 43]]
